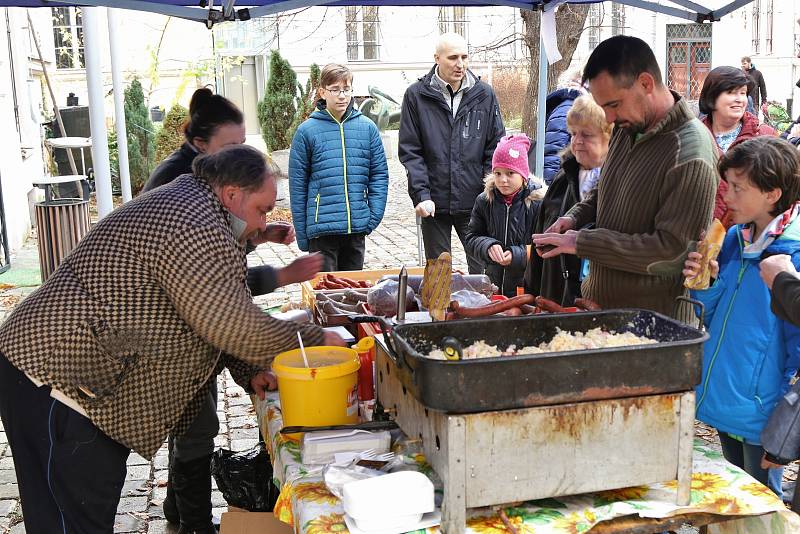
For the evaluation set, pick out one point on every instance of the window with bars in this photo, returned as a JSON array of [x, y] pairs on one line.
[[68, 37], [617, 19], [362, 29], [756, 28], [688, 58], [595, 19], [769, 27], [453, 19]]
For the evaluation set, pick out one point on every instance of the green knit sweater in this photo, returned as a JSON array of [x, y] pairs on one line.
[[656, 194]]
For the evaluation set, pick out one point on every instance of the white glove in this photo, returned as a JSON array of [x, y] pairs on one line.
[[425, 208]]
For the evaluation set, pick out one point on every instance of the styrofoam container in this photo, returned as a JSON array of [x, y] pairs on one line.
[[393, 501], [321, 447]]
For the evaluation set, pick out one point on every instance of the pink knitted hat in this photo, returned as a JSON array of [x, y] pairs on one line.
[[512, 153]]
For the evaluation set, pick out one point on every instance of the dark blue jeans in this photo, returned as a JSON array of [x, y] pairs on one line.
[[70, 474], [748, 457]]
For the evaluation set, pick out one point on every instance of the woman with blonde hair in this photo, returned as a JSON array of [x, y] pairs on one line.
[[559, 278]]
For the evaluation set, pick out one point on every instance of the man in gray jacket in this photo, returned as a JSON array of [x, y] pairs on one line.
[[449, 126]]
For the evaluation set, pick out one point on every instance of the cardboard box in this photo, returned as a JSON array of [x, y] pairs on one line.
[[307, 288], [238, 521]]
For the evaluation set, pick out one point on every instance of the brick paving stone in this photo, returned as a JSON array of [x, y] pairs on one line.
[[135, 488], [128, 523], [4, 522], [240, 400], [6, 462], [135, 459], [238, 445], [217, 500], [3, 437], [132, 504], [8, 452], [9, 491], [19, 528], [138, 472], [155, 512], [157, 527], [238, 434], [235, 411], [242, 422], [159, 493], [6, 506], [161, 461], [8, 476]]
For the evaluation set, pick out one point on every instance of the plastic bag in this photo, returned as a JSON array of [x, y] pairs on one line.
[[479, 283], [245, 478], [470, 299], [382, 298]]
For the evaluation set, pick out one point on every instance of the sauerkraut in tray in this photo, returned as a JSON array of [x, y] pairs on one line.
[[596, 338]]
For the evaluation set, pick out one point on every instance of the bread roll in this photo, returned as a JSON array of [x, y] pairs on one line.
[[709, 248]]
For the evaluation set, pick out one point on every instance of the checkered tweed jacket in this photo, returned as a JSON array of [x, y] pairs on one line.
[[141, 314]]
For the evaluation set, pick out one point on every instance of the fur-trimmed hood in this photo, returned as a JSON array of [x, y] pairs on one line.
[[534, 190]]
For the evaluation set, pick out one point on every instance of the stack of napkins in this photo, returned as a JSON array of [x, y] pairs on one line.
[[321, 447]]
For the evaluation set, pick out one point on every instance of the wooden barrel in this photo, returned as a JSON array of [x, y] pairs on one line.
[[60, 225]]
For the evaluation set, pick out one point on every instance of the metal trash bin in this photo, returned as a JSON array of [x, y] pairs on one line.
[[60, 223]]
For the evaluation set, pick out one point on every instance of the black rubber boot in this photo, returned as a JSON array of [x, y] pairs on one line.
[[170, 507], [191, 485]]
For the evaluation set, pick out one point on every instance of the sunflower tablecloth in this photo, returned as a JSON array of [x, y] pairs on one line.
[[717, 488]]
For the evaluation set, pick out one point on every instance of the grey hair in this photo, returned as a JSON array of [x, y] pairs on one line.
[[239, 165]]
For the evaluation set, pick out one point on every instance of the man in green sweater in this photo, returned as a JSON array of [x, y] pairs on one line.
[[656, 191]]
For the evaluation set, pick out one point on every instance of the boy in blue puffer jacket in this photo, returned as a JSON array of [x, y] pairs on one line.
[[338, 178], [751, 354]]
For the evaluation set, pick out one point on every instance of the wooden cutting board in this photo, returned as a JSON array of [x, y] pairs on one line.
[[436, 285]]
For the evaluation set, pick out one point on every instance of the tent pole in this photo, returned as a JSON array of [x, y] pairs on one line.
[[541, 102], [97, 115], [119, 104]]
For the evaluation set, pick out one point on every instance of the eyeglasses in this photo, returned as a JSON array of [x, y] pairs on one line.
[[340, 92]]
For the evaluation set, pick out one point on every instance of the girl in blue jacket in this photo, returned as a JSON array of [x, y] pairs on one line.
[[338, 178], [751, 354]]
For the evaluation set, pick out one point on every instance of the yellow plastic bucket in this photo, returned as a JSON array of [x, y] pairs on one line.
[[325, 393]]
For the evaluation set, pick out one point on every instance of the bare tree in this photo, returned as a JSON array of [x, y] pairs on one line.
[[570, 20]]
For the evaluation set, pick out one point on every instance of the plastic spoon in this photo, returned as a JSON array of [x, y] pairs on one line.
[[302, 349]]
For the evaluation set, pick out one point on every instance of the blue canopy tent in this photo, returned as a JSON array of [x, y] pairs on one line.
[[211, 12]]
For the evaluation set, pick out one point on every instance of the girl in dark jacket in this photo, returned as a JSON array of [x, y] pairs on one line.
[[501, 224], [559, 278]]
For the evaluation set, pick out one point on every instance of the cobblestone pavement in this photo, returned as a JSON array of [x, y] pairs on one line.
[[392, 244]]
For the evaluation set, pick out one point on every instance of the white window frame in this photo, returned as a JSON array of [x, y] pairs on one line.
[[69, 56], [453, 19], [360, 22]]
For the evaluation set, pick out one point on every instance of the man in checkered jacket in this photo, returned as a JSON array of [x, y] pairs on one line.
[[117, 348]]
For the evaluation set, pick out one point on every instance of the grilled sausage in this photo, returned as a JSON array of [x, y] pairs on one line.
[[586, 304], [493, 308], [548, 305]]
